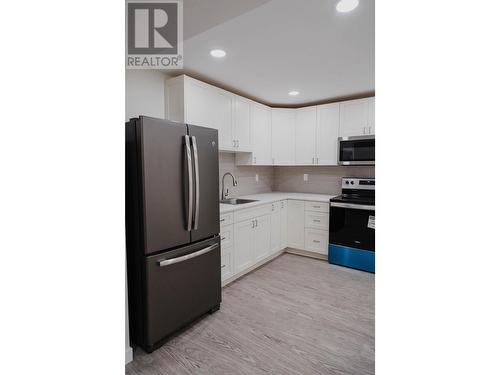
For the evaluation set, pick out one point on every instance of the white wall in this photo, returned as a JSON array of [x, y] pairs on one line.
[[145, 93]]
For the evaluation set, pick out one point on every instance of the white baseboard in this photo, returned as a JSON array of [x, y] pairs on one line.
[[129, 355]]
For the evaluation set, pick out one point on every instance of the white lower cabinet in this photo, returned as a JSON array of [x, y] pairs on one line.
[[295, 227], [243, 236], [316, 241], [261, 238], [226, 260], [276, 227], [227, 247], [283, 224]]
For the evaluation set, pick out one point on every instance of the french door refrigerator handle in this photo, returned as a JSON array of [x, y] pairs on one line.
[[169, 262], [190, 182], [196, 184]]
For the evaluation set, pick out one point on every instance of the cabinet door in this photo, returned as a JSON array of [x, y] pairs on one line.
[[241, 123], [260, 117], [327, 133], [283, 224], [262, 237], [354, 118], [196, 103], [283, 136], [296, 224], [226, 263], [371, 115], [276, 228], [220, 117], [305, 136], [243, 239]]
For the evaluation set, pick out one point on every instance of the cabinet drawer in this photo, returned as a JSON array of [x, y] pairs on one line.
[[316, 220], [226, 263], [317, 241], [226, 236], [252, 213], [226, 219], [318, 207]]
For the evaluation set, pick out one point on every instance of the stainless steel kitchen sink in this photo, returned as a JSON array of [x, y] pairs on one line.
[[237, 201]]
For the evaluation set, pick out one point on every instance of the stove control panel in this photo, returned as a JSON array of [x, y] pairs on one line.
[[358, 183]]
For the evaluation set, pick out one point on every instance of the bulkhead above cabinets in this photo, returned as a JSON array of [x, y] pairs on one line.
[[261, 135]]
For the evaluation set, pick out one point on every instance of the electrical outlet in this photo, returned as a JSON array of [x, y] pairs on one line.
[[306, 177], [256, 177]]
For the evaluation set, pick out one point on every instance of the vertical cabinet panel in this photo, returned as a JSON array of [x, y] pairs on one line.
[[354, 118], [262, 238], [260, 117], [283, 224], [243, 239], [276, 228], [296, 224], [305, 136], [283, 136], [241, 124], [327, 134]]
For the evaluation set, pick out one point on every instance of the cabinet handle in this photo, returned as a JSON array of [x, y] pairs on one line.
[[253, 223], [316, 206], [254, 160], [315, 241], [223, 238], [237, 143], [223, 266], [317, 160], [221, 220], [317, 221], [256, 223], [313, 160]]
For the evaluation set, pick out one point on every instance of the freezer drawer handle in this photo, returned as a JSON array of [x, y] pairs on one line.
[[190, 182], [169, 262], [196, 184]]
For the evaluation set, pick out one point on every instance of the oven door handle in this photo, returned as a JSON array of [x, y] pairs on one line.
[[353, 206]]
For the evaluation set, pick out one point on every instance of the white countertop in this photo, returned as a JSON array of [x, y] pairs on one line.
[[265, 198]]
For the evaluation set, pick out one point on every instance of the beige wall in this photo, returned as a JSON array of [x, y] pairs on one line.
[[322, 180]]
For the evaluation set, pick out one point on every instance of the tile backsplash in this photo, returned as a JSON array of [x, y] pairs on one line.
[[245, 175], [321, 180]]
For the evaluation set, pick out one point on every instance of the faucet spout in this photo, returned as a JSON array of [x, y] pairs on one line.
[[226, 193]]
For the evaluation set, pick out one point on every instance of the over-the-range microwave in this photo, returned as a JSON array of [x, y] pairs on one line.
[[356, 150]]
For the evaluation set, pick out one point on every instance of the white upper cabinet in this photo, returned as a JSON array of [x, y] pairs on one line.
[[283, 136], [371, 115], [305, 135], [327, 133], [241, 124], [219, 104], [354, 117], [260, 117]]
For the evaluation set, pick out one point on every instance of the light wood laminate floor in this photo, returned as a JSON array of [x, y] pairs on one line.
[[295, 315]]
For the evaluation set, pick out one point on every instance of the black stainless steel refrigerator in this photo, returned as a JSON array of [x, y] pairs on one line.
[[172, 227]]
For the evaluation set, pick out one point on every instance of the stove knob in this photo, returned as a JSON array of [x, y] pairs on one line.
[[352, 182]]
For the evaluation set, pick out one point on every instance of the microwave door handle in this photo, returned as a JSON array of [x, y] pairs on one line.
[[196, 183], [190, 182]]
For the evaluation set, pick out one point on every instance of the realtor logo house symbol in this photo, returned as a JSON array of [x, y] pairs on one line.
[[154, 34]]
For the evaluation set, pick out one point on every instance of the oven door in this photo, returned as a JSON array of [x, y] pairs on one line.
[[352, 225], [356, 150]]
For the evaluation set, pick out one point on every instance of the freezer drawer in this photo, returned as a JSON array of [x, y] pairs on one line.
[[181, 285]]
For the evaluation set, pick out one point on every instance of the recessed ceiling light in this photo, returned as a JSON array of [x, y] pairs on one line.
[[293, 93], [218, 53], [344, 6]]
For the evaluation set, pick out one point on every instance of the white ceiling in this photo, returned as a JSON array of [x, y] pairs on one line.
[[276, 46]]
